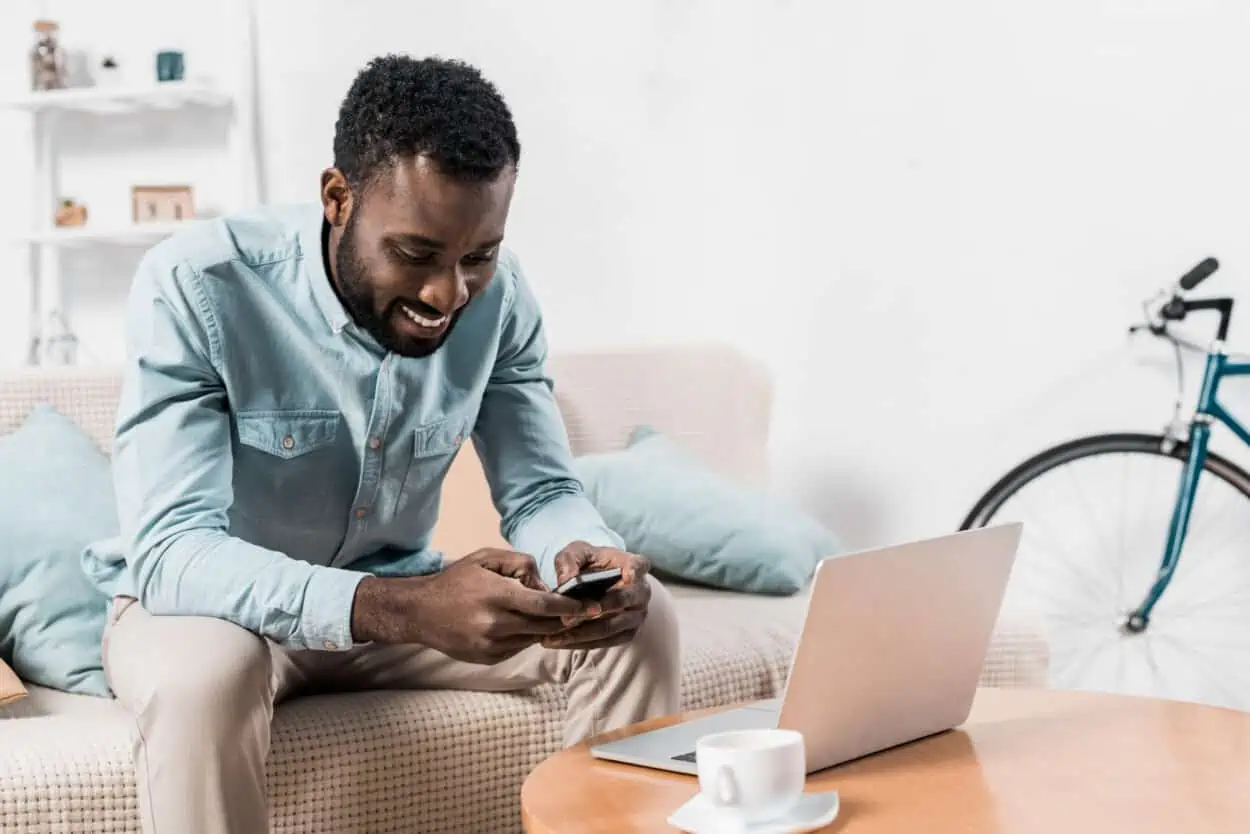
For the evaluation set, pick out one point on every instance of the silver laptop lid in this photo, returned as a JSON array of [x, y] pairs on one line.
[[894, 641]]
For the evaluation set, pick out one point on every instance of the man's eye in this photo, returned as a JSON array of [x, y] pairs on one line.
[[479, 258], [424, 259]]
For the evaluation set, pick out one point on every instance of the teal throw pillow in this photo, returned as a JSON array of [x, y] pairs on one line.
[[697, 525], [56, 496]]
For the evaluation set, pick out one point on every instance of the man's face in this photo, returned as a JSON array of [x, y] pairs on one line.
[[412, 250]]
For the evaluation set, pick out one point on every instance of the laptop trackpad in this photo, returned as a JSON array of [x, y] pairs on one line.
[[678, 741]]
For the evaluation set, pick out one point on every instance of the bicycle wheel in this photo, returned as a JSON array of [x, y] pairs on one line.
[[1096, 513]]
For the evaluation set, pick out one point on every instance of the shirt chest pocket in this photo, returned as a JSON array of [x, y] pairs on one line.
[[434, 446], [289, 468]]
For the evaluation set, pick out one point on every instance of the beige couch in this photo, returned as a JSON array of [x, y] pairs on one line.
[[441, 761]]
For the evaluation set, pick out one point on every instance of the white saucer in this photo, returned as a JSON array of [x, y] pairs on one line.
[[814, 812]]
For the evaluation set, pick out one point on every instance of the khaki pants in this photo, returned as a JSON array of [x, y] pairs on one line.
[[202, 693]]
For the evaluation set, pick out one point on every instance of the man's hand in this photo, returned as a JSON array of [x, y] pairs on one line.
[[483, 608], [624, 607]]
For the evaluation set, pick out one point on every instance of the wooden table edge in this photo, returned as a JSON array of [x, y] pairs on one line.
[[1014, 704]]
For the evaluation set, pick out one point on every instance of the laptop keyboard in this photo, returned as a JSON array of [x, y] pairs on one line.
[[685, 757]]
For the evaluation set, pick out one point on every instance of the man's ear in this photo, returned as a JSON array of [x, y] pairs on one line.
[[336, 197]]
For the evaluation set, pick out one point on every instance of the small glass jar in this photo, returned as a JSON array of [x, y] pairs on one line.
[[47, 59]]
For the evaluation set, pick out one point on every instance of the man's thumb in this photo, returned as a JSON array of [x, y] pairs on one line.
[[568, 565], [507, 563]]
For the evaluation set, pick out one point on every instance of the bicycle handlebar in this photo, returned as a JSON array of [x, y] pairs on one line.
[[1199, 273], [1170, 305]]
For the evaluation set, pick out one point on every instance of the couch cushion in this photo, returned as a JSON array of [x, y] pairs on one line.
[[696, 524], [56, 497]]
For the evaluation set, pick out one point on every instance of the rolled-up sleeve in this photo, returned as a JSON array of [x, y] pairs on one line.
[[524, 447], [173, 469]]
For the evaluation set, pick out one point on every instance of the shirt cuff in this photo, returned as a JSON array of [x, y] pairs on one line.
[[567, 519], [326, 619]]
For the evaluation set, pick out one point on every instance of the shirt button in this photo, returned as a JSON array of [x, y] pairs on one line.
[[459, 439], [288, 442], [375, 442], [331, 645], [361, 512]]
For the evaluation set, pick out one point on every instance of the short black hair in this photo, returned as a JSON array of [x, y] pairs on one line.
[[400, 106]]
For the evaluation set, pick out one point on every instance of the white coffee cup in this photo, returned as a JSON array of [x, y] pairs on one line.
[[752, 775]]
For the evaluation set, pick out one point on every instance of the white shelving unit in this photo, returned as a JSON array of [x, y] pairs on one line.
[[163, 96], [134, 234], [51, 340]]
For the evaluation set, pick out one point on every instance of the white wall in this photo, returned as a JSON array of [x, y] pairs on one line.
[[934, 221]]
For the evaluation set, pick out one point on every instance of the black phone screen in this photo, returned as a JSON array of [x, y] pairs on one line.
[[590, 586]]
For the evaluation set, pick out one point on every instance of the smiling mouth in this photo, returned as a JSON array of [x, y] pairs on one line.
[[423, 321]]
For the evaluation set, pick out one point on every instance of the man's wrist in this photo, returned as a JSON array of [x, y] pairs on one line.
[[388, 609], [373, 619]]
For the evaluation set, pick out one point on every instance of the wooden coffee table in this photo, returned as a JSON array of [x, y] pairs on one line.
[[1026, 761]]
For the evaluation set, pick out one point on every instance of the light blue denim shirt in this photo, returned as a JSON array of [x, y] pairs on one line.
[[269, 453]]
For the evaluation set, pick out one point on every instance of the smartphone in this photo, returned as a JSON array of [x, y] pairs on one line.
[[590, 586]]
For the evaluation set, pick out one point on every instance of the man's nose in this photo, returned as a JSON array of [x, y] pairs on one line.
[[446, 292]]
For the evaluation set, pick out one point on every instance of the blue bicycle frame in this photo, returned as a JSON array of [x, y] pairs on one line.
[[1208, 410]]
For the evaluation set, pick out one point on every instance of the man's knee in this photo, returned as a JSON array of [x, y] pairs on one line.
[[209, 671]]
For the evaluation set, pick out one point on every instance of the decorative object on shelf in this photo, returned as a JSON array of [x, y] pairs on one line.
[[162, 203], [71, 213], [109, 73], [169, 66], [47, 58]]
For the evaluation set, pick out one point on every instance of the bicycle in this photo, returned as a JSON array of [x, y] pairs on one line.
[[1119, 615]]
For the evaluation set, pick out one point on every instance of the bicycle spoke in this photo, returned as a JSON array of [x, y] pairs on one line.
[[1083, 579], [1148, 512], [1207, 643], [1057, 604], [1085, 661], [1071, 563], [1207, 560], [1212, 606], [1213, 675], [1070, 621], [1103, 550], [1207, 511], [1150, 656], [1123, 554]]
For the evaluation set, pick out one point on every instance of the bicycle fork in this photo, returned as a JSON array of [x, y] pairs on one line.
[[1138, 620], [1199, 436]]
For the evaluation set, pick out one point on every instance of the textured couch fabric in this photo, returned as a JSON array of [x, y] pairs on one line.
[[440, 761]]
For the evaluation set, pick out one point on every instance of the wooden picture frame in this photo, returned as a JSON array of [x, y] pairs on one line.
[[161, 203]]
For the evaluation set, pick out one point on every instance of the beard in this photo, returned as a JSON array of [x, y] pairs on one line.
[[358, 296]]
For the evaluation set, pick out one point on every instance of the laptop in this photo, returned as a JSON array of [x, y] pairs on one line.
[[890, 652]]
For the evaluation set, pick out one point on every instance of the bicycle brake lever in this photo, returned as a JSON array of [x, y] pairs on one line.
[[1155, 329]]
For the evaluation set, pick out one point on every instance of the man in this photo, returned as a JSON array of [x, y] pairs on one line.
[[296, 386]]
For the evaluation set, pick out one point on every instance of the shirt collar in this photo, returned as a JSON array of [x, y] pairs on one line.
[[327, 300]]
